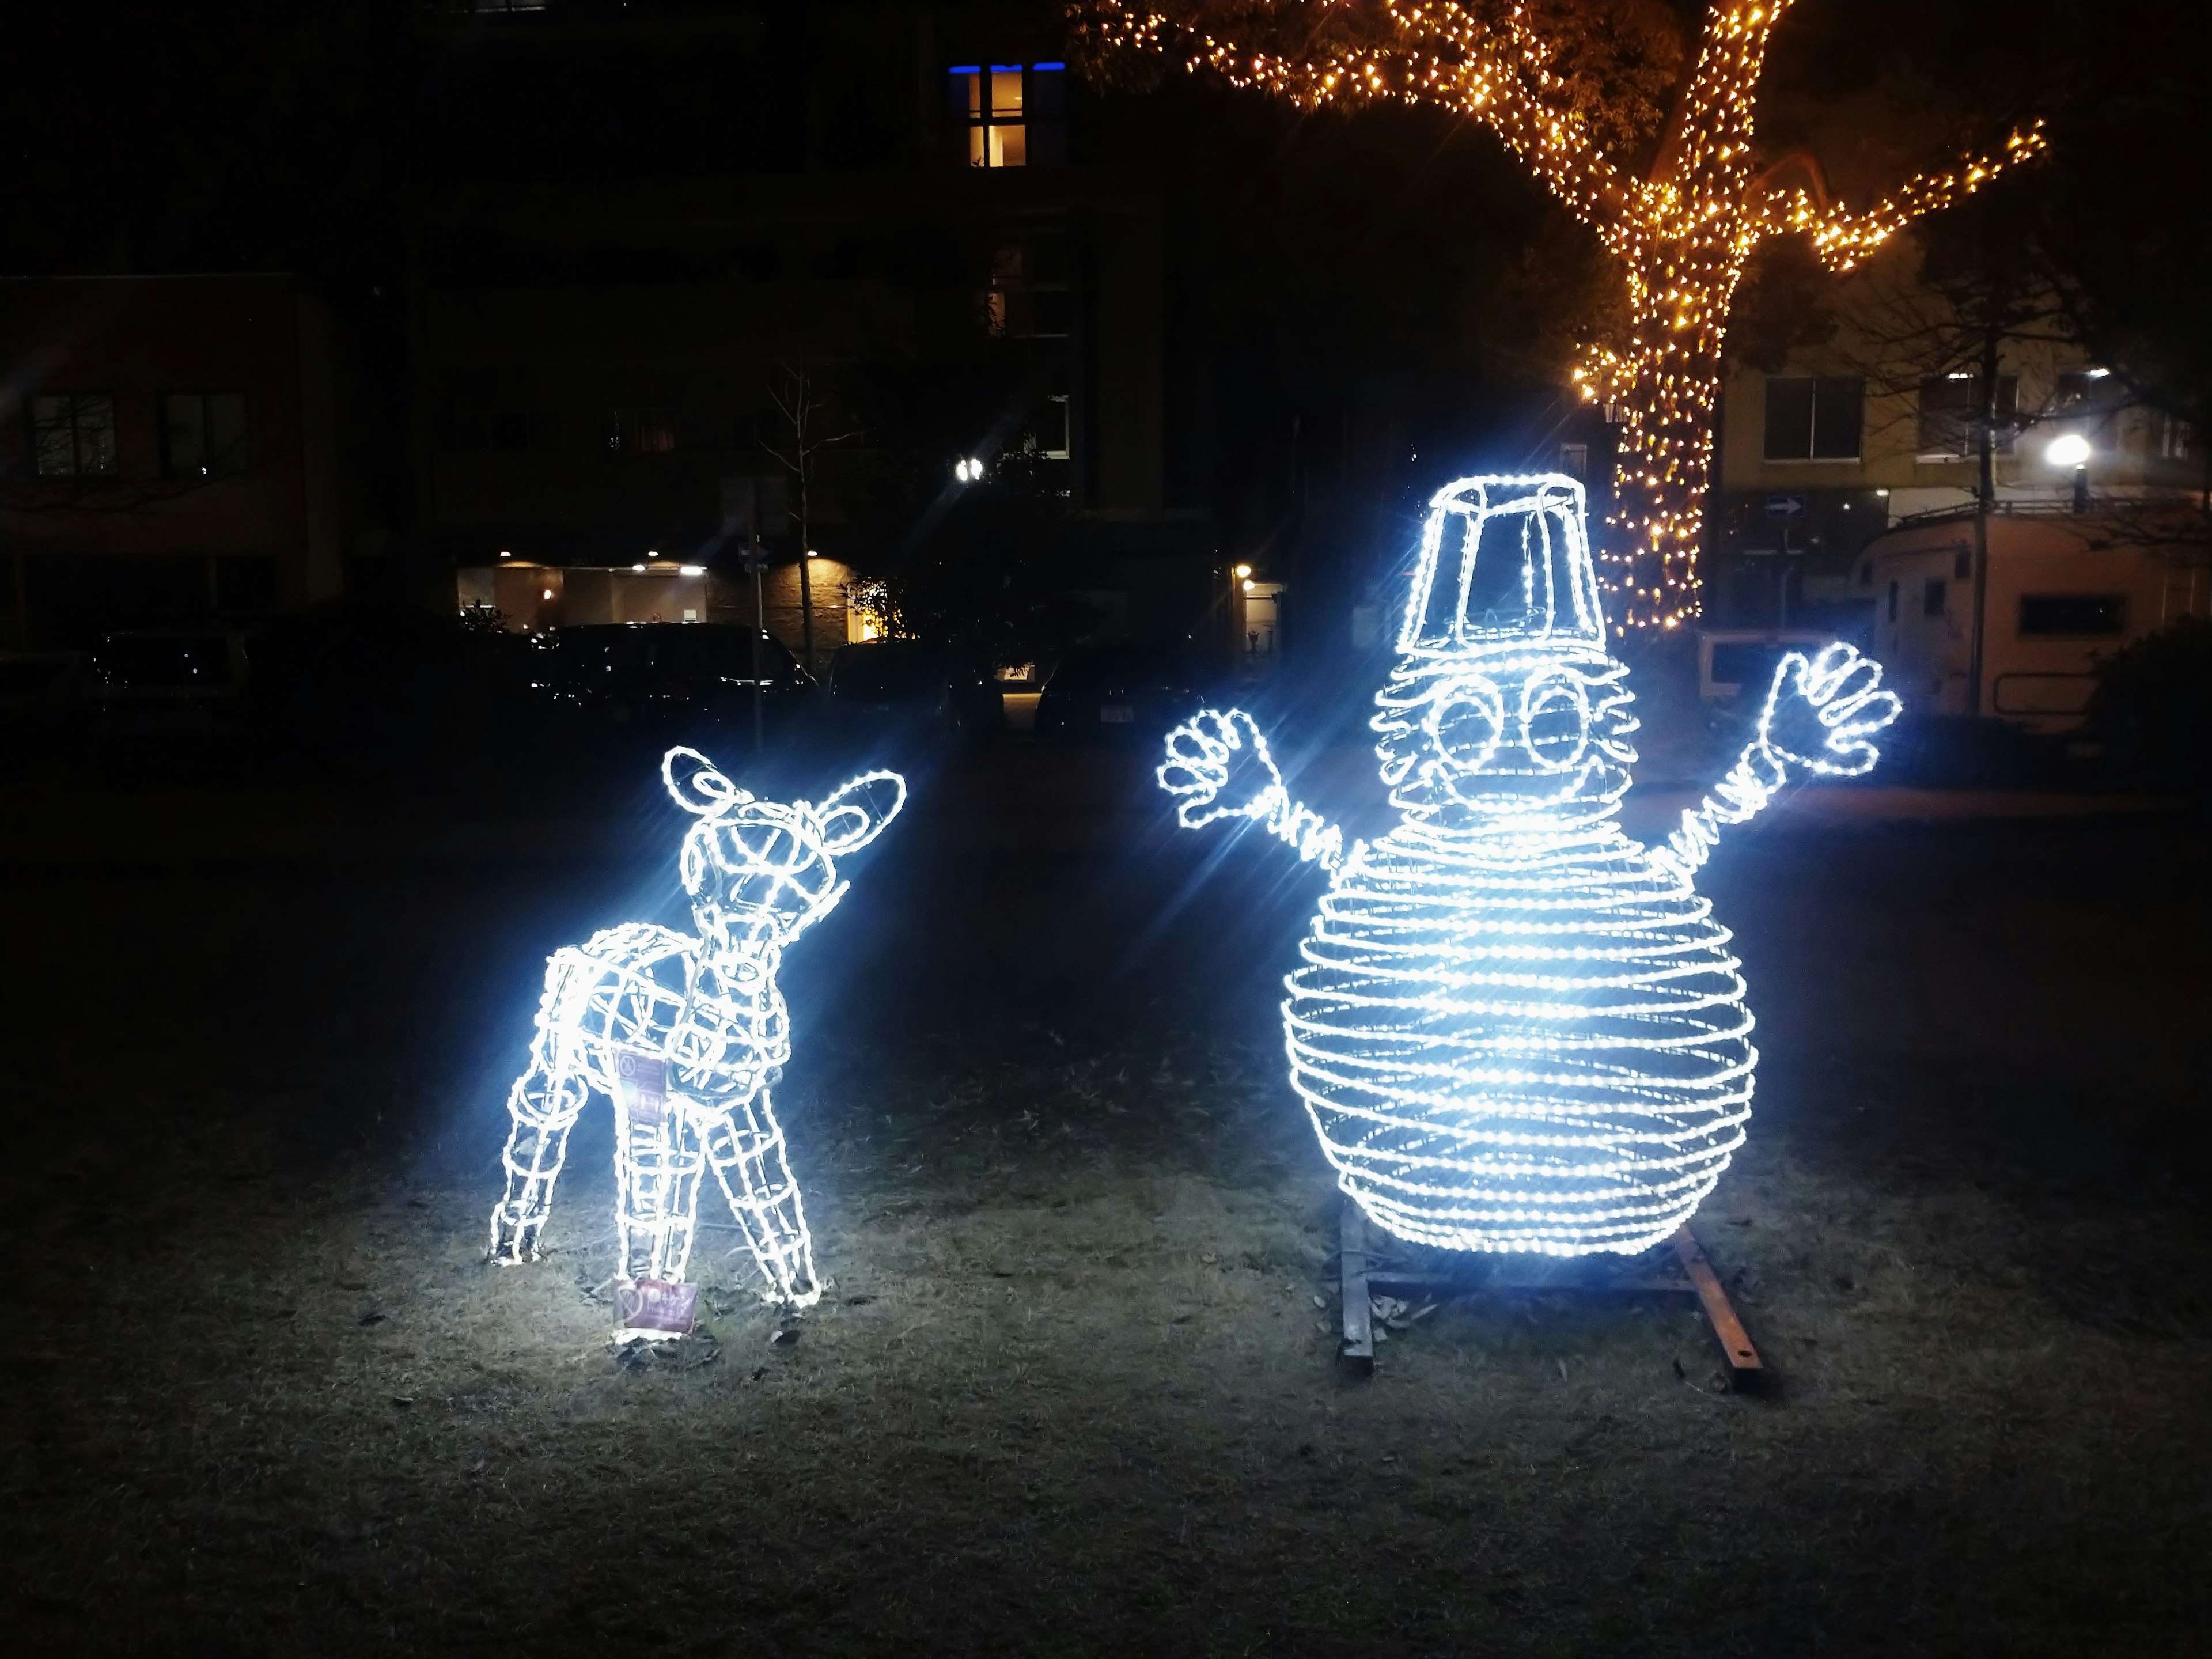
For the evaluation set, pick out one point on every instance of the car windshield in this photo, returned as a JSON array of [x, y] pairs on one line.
[[891, 668], [1122, 667]]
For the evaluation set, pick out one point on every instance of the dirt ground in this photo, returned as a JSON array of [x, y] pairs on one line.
[[1074, 1389]]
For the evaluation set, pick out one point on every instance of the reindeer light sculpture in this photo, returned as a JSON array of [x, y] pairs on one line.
[[1515, 1028], [685, 1036]]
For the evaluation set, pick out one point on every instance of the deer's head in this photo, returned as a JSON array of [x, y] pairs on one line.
[[761, 871]]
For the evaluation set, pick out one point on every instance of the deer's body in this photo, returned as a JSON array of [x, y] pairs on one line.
[[685, 1035]]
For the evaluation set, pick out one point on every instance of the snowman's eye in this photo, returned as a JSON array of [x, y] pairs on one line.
[[1465, 723], [1554, 720]]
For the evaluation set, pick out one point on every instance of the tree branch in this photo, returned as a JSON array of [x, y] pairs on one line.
[[1440, 54], [1843, 238]]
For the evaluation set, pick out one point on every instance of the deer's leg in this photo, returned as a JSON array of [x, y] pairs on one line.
[[544, 1105], [744, 1144], [658, 1164]]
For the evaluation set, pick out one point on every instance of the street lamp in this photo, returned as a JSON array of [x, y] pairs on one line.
[[2072, 449], [968, 469]]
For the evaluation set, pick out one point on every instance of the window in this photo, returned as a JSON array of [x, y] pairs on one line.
[[2172, 439], [1051, 428], [1009, 115], [2075, 615], [1933, 596], [1892, 602], [1029, 296], [1814, 417], [203, 434], [1574, 460], [641, 431], [73, 434], [1950, 410], [2076, 388]]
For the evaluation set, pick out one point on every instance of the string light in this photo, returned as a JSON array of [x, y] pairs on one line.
[[1514, 1028], [684, 1035], [1681, 235]]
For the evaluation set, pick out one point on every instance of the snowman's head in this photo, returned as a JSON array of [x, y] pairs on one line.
[[1504, 704], [1510, 735]]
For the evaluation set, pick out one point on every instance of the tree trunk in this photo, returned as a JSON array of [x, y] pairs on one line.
[[1666, 386], [806, 571]]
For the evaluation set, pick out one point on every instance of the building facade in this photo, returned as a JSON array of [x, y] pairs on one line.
[[168, 454], [659, 255], [1877, 426]]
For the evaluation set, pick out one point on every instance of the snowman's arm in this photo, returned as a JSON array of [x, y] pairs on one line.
[[1219, 767], [1820, 716], [1317, 840], [1738, 798]]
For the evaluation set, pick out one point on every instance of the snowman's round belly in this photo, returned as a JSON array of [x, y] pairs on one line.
[[1547, 1052]]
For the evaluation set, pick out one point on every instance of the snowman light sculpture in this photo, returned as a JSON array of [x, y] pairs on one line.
[[684, 1035], [1515, 1028]]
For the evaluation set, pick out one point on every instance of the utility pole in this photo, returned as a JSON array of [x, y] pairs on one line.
[[1985, 494]]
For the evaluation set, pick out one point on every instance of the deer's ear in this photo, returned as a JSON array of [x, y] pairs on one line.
[[695, 785], [857, 813]]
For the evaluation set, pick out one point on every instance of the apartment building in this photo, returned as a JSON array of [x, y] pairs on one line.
[[642, 230], [167, 453]]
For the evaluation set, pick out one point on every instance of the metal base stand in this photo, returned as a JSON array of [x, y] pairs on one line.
[[1677, 1268]]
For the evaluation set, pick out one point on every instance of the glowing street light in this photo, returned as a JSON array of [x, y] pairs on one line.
[[968, 469], [2072, 449]]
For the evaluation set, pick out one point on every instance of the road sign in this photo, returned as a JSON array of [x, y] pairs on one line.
[[1785, 507]]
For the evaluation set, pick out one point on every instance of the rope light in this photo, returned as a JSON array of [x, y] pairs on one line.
[[684, 1035], [1681, 236], [1514, 1028]]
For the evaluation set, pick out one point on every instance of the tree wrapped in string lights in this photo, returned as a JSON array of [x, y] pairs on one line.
[[1516, 1028], [683, 1036], [1680, 229]]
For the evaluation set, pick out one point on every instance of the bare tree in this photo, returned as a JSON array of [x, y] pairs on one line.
[[796, 400], [1574, 88]]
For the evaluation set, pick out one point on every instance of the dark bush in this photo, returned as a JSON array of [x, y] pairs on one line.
[[2153, 706]]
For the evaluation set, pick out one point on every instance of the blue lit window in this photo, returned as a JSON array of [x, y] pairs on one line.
[[1006, 115]]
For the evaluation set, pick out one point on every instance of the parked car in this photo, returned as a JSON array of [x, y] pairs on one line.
[[666, 678], [951, 688], [1121, 692], [180, 682]]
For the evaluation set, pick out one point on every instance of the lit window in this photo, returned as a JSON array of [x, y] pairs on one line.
[[203, 434], [73, 434], [641, 431], [1814, 417], [1010, 116]]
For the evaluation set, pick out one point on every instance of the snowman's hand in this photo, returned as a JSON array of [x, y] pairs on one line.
[[1218, 767], [1821, 711]]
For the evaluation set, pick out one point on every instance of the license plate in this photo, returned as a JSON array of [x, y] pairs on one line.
[[1111, 715]]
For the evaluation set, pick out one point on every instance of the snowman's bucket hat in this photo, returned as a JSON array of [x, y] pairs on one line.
[[1505, 566]]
